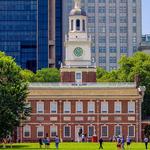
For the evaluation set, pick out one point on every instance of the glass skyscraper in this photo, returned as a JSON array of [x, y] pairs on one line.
[[27, 32], [115, 28]]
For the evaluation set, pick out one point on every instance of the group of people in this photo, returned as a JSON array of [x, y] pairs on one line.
[[121, 142], [46, 142]]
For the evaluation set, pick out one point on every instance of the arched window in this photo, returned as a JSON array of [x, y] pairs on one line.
[[78, 24], [83, 26], [71, 25]]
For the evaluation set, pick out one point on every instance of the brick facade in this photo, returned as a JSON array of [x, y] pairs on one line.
[[92, 122]]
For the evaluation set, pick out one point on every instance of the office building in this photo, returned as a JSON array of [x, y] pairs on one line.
[[115, 28], [27, 32]]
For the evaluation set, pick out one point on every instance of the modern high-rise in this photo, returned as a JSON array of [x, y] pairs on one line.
[[28, 32], [115, 27]]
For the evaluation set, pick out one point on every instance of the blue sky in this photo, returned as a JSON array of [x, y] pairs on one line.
[[145, 16]]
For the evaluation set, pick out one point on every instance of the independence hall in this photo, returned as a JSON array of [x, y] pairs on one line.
[[78, 102]]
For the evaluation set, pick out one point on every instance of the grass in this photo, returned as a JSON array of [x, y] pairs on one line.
[[74, 146]]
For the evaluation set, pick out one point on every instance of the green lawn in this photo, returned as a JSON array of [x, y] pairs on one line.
[[76, 146]]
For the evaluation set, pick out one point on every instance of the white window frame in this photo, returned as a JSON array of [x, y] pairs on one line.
[[79, 104], [28, 129], [38, 106], [69, 131], [67, 107], [102, 130], [41, 129], [51, 107], [93, 130], [53, 127], [91, 107], [76, 75], [103, 104], [118, 107], [134, 130], [120, 130], [130, 105]]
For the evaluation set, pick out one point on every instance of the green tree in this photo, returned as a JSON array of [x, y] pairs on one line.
[[27, 75], [47, 75], [147, 131], [13, 92]]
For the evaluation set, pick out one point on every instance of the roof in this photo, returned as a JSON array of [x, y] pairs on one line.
[[77, 12]]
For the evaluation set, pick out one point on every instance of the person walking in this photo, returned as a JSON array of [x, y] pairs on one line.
[[57, 141], [146, 142], [100, 143], [122, 142], [118, 144], [128, 140], [40, 142]]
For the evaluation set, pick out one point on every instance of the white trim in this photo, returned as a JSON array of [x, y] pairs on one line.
[[29, 130], [56, 128], [104, 103], [42, 127], [64, 131], [129, 104], [115, 129], [37, 104], [116, 105], [93, 130], [78, 80], [107, 130], [91, 103], [51, 103], [79, 103], [134, 130], [68, 103]]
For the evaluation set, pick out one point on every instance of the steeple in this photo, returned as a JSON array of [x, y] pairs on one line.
[[77, 4]]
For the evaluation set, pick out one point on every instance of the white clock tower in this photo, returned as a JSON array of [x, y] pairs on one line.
[[77, 42], [78, 66]]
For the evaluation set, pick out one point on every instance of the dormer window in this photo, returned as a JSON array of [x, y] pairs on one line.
[[78, 25]]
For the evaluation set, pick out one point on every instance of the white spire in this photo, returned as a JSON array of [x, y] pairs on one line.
[[77, 4]]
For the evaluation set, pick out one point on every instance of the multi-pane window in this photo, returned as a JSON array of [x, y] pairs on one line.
[[53, 107], [117, 107], [123, 29], [102, 9], [102, 19], [102, 39], [40, 107], [26, 131], [112, 49], [91, 107], [102, 49], [134, 19], [104, 131], [91, 19], [131, 131], [102, 59], [112, 59], [79, 107], [131, 107], [91, 9], [123, 49], [112, 19], [112, 29], [90, 131], [78, 76], [40, 131], [53, 131], [102, 1], [104, 107], [67, 107], [118, 131], [112, 39], [67, 131]]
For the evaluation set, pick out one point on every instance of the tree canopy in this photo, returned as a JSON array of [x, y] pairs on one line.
[[13, 93], [47, 75], [130, 67]]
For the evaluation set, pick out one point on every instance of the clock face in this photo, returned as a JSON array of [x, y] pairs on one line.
[[78, 51]]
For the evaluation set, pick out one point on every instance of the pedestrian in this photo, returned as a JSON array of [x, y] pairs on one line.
[[40, 142], [57, 141], [100, 143], [83, 138], [128, 140], [146, 142], [122, 142], [118, 144]]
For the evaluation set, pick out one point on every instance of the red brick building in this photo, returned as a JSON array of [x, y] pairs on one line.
[[78, 102]]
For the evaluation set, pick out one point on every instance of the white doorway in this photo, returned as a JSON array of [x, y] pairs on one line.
[[78, 130]]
